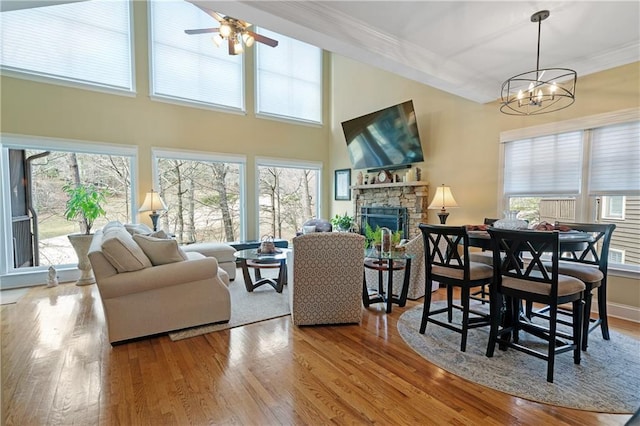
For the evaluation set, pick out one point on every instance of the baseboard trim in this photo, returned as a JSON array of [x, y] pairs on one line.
[[625, 312]]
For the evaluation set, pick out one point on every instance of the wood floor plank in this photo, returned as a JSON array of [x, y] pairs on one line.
[[58, 368]]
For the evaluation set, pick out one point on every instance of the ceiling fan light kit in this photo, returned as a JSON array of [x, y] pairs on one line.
[[540, 91], [234, 31]]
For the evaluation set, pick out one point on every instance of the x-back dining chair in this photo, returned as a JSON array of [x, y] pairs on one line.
[[520, 273], [589, 263], [483, 256], [449, 267]]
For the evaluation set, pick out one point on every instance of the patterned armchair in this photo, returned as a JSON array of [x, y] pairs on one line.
[[325, 278], [415, 247]]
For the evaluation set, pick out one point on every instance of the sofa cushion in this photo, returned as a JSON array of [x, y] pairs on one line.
[[160, 250], [221, 251], [112, 225], [122, 251]]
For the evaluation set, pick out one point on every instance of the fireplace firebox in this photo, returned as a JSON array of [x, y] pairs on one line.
[[394, 218]]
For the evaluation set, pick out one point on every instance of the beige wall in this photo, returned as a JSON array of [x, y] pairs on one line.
[[460, 138], [56, 111]]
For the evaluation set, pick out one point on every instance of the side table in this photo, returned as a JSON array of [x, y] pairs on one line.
[[250, 258], [389, 262]]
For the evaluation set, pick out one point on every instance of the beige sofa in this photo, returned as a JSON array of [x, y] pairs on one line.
[[150, 286]]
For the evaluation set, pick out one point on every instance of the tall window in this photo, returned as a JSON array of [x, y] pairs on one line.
[[37, 172], [289, 79], [203, 193], [288, 194], [86, 43], [190, 68], [585, 175]]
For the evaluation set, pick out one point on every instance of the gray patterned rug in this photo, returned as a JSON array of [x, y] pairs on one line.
[[246, 308], [607, 380]]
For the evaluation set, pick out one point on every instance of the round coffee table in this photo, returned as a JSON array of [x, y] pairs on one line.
[[250, 258]]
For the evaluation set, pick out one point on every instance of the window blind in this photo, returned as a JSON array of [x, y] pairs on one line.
[[549, 165], [87, 42], [289, 79], [615, 160], [190, 67]]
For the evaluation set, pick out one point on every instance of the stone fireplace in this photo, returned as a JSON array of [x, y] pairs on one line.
[[395, 204]]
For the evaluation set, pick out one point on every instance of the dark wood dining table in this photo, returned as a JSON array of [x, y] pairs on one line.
[[569, 240]]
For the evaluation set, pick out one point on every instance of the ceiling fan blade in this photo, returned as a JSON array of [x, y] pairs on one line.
[[215, 15], [203, 31], [262, 39]]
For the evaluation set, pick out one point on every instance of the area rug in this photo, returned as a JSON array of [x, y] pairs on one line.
[[262, 304], [8, 297], [607, 380]]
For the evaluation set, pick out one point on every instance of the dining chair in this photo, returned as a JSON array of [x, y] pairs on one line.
[[484, 256], [520, 273], [588, 263], [444, 263]]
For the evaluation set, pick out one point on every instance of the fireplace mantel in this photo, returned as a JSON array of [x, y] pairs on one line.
[[390, 185]]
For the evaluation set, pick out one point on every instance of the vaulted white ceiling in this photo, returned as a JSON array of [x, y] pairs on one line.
[[467, 48]]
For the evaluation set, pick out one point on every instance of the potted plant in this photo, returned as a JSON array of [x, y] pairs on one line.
[[373, 238], [342, 223], [85, 206]]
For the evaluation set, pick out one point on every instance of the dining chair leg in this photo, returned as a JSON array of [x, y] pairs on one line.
[[449, 303], [602, 310], [495, 315], [586, 321], [551, 353], [464, 296], [515, 318], [427, 307], [578, 336]]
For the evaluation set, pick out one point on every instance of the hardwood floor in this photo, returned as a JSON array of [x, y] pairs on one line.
[[58, 368]]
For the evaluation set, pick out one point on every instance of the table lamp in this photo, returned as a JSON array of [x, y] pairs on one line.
[[153, 203], [443, 200]]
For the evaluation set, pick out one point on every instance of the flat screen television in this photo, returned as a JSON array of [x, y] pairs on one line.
[[385, 139]]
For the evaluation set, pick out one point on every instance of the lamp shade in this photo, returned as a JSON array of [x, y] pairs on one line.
[[152, 203], [443, 199]]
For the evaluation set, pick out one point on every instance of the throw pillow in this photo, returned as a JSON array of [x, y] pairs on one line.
[[138, 228], [122, 251], [159, 234], [160, 251]]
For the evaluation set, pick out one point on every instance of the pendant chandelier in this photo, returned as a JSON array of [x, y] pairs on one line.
[[540, 91]]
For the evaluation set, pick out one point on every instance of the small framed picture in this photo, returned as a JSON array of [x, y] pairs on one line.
[[343, 184]]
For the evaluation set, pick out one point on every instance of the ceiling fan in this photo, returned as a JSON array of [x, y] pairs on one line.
[[235, 31]]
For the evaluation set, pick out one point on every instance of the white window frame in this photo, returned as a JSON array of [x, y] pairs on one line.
[[285, 118], [606, 207], [286, 163], [584, 207], [40, 77], [214, 157], [16, 277], [620, 252], [193, 103]]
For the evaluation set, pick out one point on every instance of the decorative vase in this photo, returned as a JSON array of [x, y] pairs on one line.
[[511, 221], [81, 243]]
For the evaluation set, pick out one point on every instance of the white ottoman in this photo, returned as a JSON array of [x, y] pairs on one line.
[[221, 251]]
